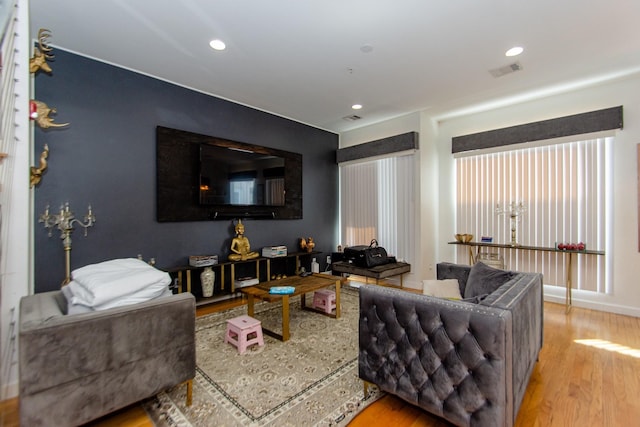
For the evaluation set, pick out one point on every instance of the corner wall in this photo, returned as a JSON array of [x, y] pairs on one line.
[[106, 157]]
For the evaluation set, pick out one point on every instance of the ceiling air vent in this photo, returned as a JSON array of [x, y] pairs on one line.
[[352, 118], [507, 69]]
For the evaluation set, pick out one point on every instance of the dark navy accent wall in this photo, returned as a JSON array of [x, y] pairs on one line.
[[106, 158]]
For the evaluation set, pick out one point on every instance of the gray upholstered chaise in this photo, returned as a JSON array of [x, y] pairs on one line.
[[469, 363], [75, 368]]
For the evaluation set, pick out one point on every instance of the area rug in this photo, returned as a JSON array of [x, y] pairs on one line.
[[312, 379]]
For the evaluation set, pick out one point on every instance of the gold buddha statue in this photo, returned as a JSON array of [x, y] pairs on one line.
[[240, 247]]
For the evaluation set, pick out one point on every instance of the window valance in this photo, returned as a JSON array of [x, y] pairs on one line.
[[393, 144], [577, 124]]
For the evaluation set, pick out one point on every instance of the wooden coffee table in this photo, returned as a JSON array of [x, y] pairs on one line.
[[303, 286]]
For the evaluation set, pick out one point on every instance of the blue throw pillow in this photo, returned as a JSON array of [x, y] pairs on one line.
[[484, 280]]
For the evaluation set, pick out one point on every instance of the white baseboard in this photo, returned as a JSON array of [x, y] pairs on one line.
[[589, 300]]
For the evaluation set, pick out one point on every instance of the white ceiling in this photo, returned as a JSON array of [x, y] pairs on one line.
[[304, 59]]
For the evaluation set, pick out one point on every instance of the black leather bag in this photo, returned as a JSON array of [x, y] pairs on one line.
[[367, 256]]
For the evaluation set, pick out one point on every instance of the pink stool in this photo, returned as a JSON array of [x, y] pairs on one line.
[[324, 299], [238, 331]]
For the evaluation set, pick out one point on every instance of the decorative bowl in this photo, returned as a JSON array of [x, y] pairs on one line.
[[464, 238]]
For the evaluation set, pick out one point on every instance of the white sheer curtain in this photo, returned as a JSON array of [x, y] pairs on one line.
[[377, 202], [563, 186]]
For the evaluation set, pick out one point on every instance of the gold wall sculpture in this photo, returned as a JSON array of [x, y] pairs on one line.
[[42, 118], [36, 172], [43, 52]]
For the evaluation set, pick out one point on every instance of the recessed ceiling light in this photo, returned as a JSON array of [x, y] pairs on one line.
[[217, 44], [356, 106], [514, 51]]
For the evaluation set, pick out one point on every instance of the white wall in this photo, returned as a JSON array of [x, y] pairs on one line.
[[16, 218], [397, 126], [437, 181]]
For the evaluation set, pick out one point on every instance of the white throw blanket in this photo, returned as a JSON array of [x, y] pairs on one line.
[[100, 284]]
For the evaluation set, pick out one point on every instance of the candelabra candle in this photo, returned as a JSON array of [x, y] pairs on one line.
[[64, 221], [515, 211]]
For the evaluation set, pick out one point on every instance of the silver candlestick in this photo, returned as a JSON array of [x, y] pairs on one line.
[[515, 211], [64, 221]]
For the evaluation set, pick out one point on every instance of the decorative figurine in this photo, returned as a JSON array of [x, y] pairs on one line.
[[36, 172], [42, 116], [307, 244], [40, 56], [240, 245]]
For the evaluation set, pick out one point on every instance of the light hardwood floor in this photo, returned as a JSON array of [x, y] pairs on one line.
[[588, 374]]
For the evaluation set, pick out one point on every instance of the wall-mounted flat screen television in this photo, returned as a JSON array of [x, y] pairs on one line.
[[202, 177]]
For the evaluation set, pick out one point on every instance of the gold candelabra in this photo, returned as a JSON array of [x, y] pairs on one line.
[[64, 221], [515, 211]]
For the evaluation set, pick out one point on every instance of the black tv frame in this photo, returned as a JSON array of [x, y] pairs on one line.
[[178, 180]]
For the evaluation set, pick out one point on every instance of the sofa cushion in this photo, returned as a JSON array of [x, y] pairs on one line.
[[447, 288], [484, 280]]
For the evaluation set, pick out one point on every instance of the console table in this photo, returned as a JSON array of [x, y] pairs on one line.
[[568, 253]]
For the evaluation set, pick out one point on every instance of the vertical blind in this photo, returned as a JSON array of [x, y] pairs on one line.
[[563, 187], [377, 202], [7, 107]]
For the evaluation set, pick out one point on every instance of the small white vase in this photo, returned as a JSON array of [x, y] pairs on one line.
[[207, 279]]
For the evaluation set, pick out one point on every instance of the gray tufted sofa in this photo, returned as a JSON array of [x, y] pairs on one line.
[[467, 362]]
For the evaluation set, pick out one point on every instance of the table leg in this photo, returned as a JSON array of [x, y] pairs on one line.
[[568, 301], [250, 303], [189, 392], [337, 299], [285, 317], [233, 278]]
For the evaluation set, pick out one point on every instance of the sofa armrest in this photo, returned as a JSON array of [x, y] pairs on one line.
[[60, 349], [523, 296], [451, 358]]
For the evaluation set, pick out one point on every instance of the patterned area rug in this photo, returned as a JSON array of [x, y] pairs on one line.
[[312, 379]]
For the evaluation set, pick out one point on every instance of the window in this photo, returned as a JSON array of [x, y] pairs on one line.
[[377, 202], [242, 191], [564, 188]]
